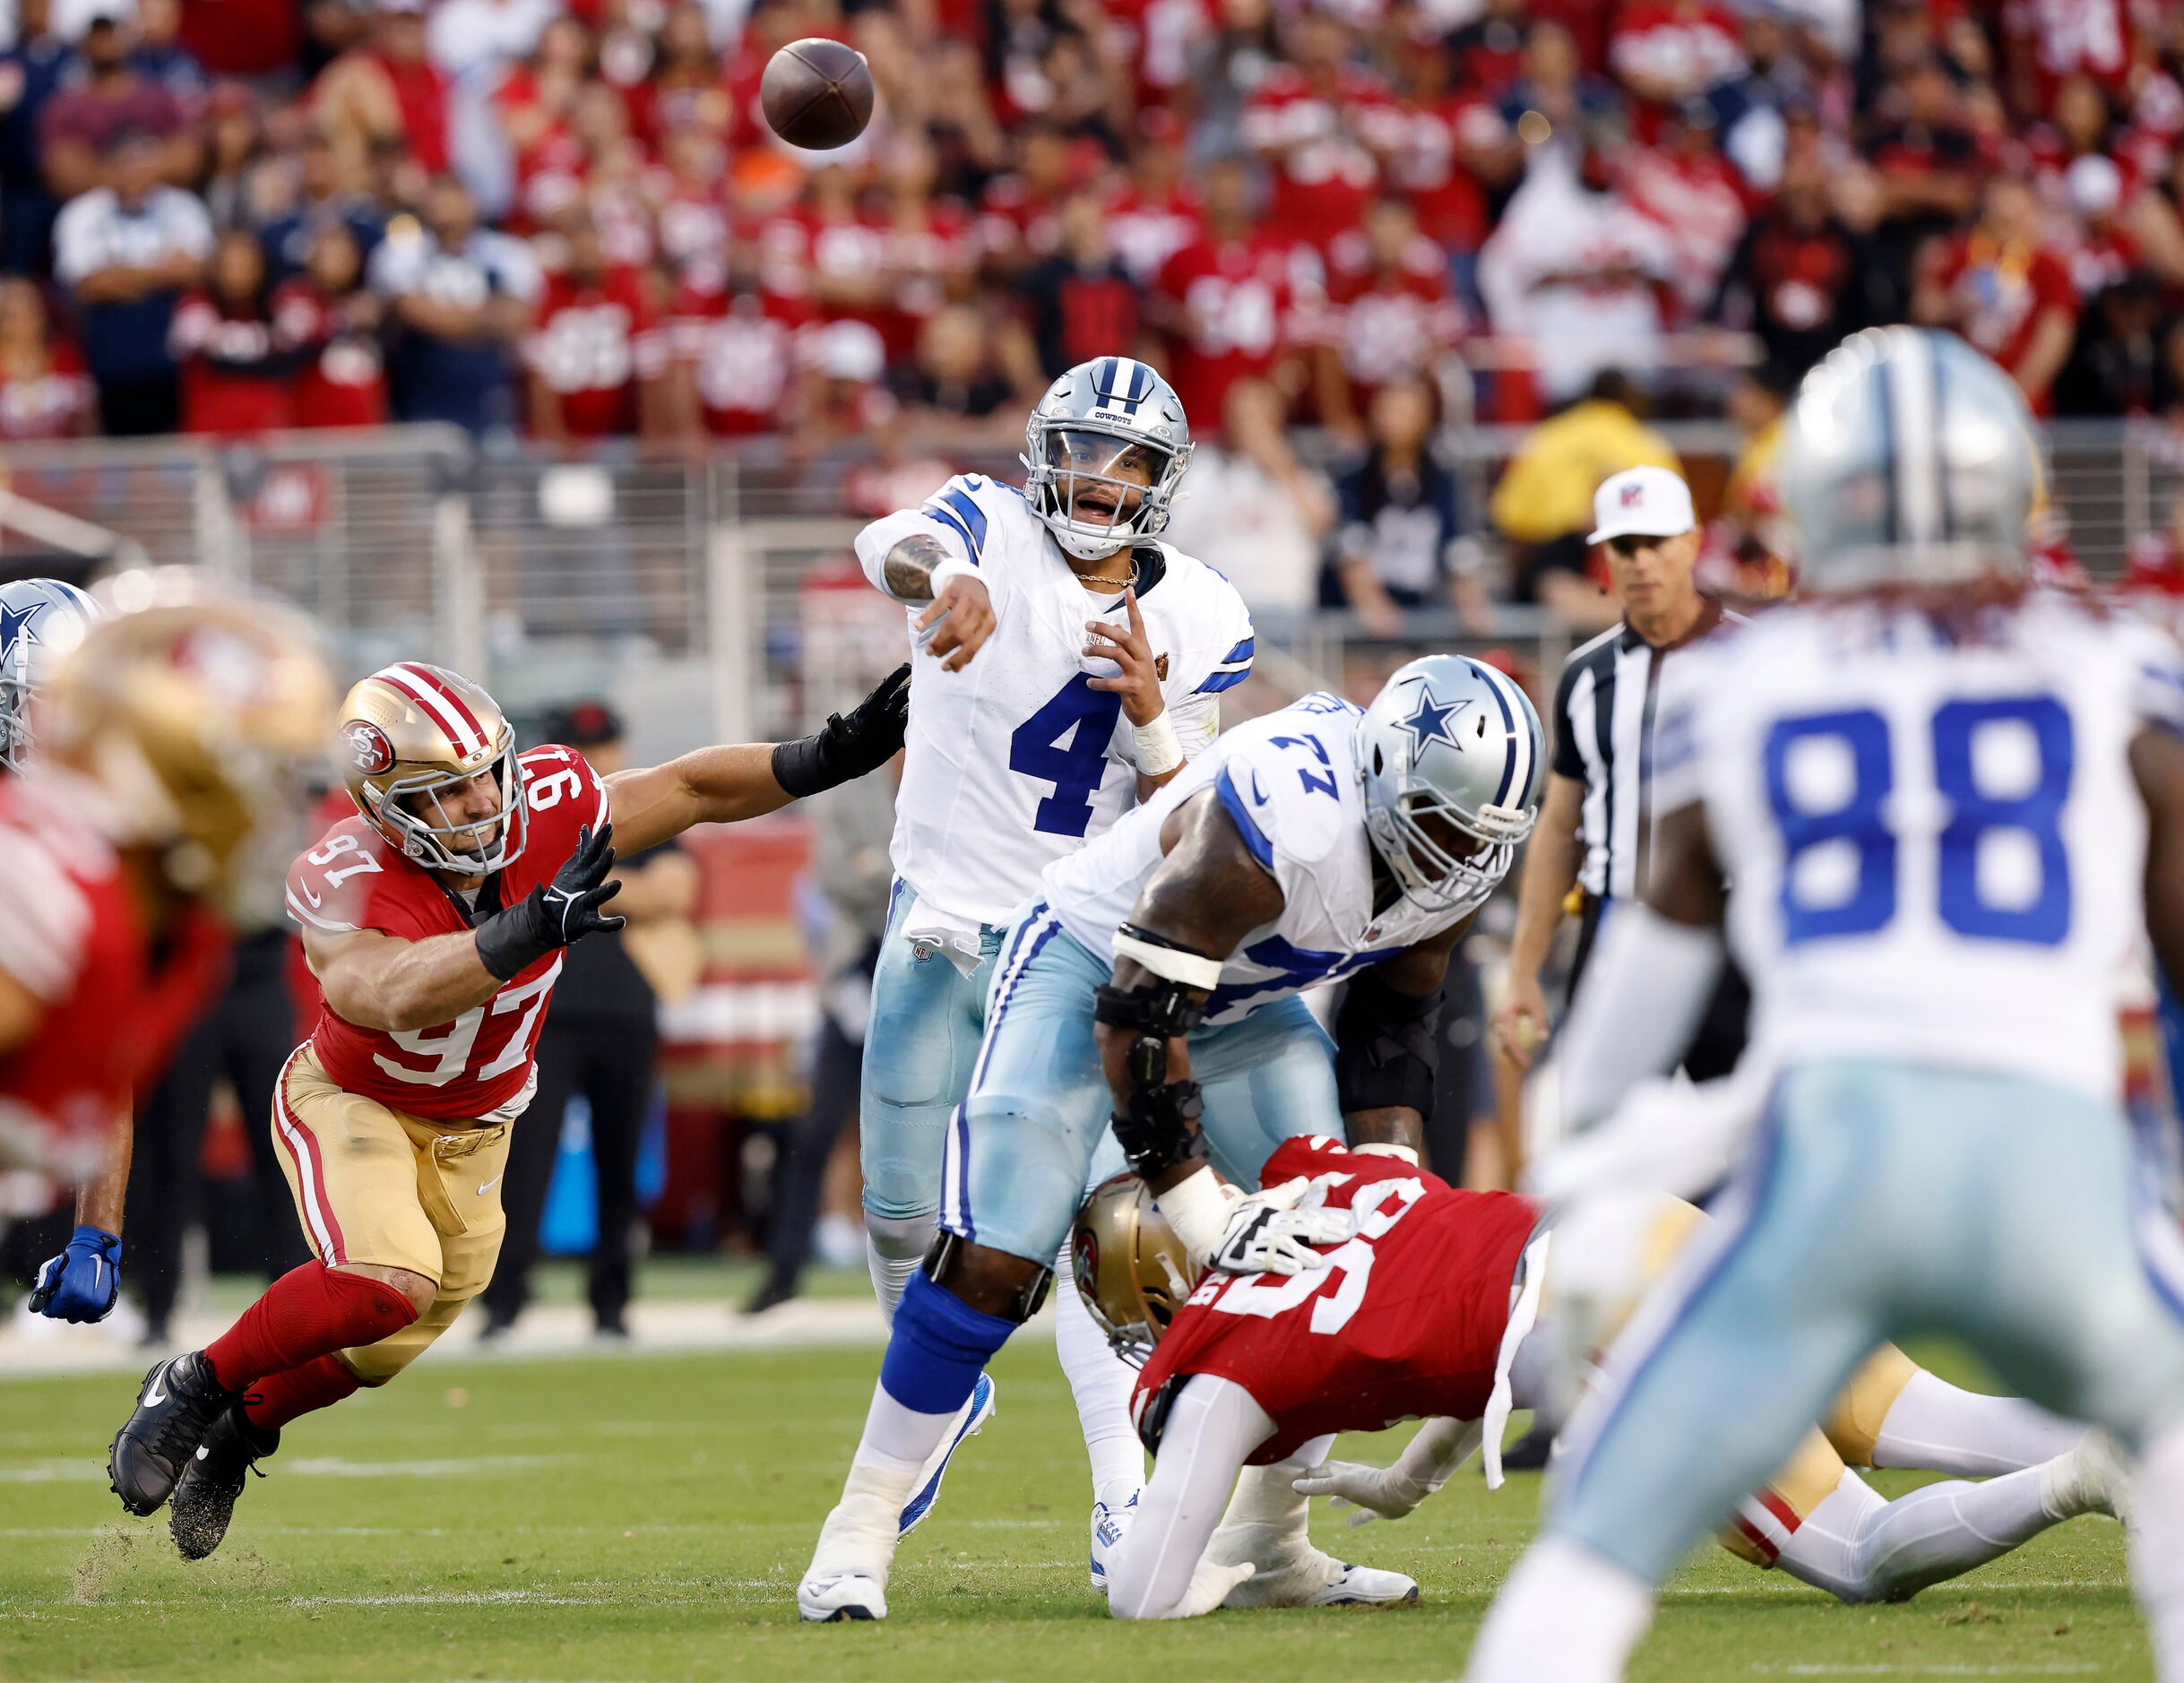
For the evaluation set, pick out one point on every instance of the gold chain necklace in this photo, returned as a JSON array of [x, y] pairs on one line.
[[1095, 578]]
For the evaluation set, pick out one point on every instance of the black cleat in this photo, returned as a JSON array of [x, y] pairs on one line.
[[176, 1407], [205, 1494]]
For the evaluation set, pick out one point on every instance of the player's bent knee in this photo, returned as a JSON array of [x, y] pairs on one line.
[[419, 1288], [1024, 1180], [901, 1237]]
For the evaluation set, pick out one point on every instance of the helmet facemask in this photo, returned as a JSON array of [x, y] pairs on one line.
[[1440, 856], [411, 810], [1099, 488], [1132, 1273]]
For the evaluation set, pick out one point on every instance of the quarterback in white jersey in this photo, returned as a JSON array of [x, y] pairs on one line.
[[1066, 663], [1934, 809], [1155, 993]]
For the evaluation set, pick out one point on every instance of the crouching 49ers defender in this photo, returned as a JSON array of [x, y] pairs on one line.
[[433, 921]]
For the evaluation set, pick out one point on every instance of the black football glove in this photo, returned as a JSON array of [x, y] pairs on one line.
[[848, 747], [555, 913]]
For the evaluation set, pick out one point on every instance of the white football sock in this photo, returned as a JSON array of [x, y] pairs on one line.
[[2157, 1549], [1859, 1547], [1937, 1428], [1564, 1613], [895, 1244], [898, 1439], [1102, 1382]]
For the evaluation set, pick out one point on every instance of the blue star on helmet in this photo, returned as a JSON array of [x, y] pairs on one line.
[[1430, 722], [15, 625]]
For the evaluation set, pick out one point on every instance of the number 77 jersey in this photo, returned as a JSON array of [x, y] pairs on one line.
[[481, 1066], [1929, 822]]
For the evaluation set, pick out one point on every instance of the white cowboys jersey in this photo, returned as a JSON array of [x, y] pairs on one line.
[[1934, 837], [1014, 761], [1290, 782]]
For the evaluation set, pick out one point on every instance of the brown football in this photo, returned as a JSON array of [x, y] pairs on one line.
[[817, 93]]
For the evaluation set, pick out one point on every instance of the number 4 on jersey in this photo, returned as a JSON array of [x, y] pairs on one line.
[[1085, 717]]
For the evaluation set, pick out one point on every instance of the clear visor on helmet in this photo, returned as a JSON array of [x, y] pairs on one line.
[[1441, 857], [444, 822], [1100, 480]]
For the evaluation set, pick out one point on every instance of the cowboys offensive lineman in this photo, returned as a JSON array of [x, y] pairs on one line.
[[1067, 663], [1319, 841]]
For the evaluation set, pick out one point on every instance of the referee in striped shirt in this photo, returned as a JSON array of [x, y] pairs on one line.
[[1595, 827]]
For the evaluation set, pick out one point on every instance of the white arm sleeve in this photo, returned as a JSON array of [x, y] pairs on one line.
[[1212, 1427], [1642, 1000]]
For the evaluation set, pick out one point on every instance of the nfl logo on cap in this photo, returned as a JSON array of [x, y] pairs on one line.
[[1641, 503]]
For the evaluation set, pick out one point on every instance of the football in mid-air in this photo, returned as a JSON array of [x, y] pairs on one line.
[[817, 93]]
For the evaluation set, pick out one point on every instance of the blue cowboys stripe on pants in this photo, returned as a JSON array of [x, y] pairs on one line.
[[1881, 1201], [1024, 1144], [927, 1020]]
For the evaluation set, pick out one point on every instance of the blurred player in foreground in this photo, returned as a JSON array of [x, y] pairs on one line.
[[1067, 663], [1156, 984], [1428, 1308], [154, 773], [1950, 809], [435, 920]]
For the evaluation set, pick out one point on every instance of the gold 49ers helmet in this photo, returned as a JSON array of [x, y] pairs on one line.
[[1131, 1270], [410, 733], [197, 713]]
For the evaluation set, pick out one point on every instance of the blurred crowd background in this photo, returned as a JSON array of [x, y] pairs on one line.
[[1424, 271]]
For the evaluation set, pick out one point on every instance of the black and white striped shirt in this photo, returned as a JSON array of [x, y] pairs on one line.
[[1604, 709]]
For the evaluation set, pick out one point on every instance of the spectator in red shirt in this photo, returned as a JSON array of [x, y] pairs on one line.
[[1159, 211], [1081, 303], [331, 322], [930, 245], [387, 89], [1927, 162], [77, 128], [1668, 51], [2004, 290], [686, 90], [1488, 52], [595, 354], [1228, 303], [234, 367], [44, 390], [738, 370], [1324, 127], [1388, 316], [1017, 210]]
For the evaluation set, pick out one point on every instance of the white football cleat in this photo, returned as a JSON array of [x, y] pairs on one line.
[[969, 1422], [832, 1600], [2095, 1478], [1320, 1580], [1109, 1525]]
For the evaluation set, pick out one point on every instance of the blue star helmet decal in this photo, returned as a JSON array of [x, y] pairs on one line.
[[1429, 723], [15, 625]]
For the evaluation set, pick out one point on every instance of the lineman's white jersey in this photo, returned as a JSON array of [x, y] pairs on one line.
[[1290, 782], [1013, 761], [1931, 830]]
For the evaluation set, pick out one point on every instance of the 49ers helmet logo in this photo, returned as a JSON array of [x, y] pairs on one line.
[[369, 751]]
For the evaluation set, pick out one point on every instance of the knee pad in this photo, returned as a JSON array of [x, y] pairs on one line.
[[901, 1237]]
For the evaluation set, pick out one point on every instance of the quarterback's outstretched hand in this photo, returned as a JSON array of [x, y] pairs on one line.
[[958, 622], [82, 1282], [556, 913], [850, 746], [1268, 1233]]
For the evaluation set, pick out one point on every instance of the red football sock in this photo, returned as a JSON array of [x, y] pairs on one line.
[[279, 1398], [308, 1312]]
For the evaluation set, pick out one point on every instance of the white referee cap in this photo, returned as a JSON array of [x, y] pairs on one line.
[[1642, 502]]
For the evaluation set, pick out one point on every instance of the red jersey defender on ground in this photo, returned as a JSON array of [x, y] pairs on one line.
[[433, 921]]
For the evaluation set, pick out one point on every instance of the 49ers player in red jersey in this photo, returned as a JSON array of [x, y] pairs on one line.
[[1433, 1307], [165, 759], [433, 921]]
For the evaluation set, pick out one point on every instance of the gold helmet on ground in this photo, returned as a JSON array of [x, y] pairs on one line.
[[410, 733], [1131, 1270], [197, 712]]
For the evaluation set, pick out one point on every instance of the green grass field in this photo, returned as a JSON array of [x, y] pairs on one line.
[[646, 1517]]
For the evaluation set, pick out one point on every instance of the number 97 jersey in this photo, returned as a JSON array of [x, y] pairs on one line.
[[480, 1067], [1930, 827]]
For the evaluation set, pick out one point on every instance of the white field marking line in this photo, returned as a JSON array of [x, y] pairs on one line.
[[76, 1469], [1980, 1585], [1816, 1669]]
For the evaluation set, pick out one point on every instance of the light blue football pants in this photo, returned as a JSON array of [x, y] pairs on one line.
[[1879, 1201], [927, 1020], [1027, 1141]]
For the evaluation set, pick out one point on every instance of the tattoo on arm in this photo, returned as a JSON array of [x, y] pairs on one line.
[[909, 567]]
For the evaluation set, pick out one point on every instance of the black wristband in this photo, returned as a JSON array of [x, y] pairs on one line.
[[510, 942], [804, 767]]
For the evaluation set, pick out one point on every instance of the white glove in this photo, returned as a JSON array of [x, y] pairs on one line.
[[1209, 1587], [1375, 1492], [1272, 1231]]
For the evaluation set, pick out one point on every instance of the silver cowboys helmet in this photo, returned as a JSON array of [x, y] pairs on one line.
[[40, 620], [1909, 459], [1103, 416], [1452, 761]]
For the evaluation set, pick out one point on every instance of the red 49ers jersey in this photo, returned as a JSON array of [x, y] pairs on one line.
[[479, 1067], [112, 1011], [1405, 1321]]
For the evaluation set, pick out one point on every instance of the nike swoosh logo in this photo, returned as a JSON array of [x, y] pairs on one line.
[[307, 894], [492, 1183], [153, 1395], [1257, 794]]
